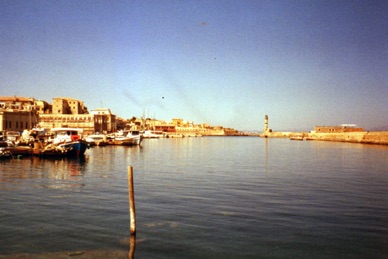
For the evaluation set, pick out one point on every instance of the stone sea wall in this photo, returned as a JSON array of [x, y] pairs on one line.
[[373, 137], [366, 137]]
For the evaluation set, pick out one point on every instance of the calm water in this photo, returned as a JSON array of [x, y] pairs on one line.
[[210, 197]]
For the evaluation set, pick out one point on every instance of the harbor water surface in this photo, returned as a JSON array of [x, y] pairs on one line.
[[209, 197]]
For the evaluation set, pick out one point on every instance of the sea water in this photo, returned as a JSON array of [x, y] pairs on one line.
[[209, 197]]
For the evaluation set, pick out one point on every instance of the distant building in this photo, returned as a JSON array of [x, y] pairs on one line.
[[169, 128], [177, 122]]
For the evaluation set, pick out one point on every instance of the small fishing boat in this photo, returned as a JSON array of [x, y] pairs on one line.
[[69, 139], [13, 136], [154, 134], [15, 150], [51, 150], [128, 138], [96, 140], [296, 137]]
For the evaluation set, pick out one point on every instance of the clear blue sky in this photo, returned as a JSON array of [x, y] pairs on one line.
[[304, 63]]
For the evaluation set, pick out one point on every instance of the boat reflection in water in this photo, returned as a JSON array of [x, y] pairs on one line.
[[70, 168]]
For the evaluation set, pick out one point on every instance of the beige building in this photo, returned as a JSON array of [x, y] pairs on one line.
[[17, 103], [68, 106], [43, 107], [82, 121], [17, 120], [99, 120], [17, 113], [72, 113]]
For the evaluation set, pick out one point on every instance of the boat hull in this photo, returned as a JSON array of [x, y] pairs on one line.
[[5, 155], [75, 148], [128, 141], [50, 153]]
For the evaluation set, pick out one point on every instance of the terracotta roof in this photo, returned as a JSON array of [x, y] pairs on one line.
[[14, 99]]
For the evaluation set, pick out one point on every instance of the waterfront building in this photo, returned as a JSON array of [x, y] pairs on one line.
[[168, 128], [17, 113], [99, 120], [104, 120], [82, 121], [17, 120], [72, 113]]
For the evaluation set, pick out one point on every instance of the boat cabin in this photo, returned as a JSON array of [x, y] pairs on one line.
[[66, 134]]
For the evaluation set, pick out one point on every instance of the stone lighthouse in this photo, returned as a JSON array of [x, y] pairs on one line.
[[266, 129]]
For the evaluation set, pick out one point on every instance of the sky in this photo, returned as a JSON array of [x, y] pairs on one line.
[[222, 62]]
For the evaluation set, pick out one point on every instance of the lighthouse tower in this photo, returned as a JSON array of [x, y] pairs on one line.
[[265, 131]]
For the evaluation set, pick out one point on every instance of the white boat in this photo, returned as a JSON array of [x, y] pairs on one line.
[[154, 134], [13, 136], [296, 137], [96, 140], [128, 138]]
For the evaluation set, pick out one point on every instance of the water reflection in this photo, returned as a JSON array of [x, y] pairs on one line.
[[132, 246], [266, 154], [187, 191], [69, 170]]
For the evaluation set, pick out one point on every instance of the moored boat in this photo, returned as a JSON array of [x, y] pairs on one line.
[[96, 140], [69, 139], [50, 150], [128, 138], [154, 134], [14, 149], [296, 137], [12, 136]]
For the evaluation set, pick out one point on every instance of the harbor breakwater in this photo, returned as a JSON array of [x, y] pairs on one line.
[[366, 137]]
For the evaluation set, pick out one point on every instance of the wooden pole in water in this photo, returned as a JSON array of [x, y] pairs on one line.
[[132, 246], [131, 193]]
